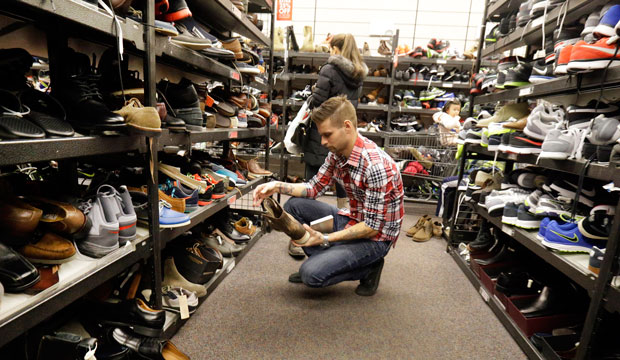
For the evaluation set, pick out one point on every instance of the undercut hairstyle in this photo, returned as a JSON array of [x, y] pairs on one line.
[[338, 109]]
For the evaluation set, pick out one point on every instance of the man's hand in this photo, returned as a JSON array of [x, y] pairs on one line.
[[263, 191], [316, 238]]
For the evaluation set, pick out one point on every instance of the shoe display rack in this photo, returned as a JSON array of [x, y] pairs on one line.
[[84, 20], [604, 297]]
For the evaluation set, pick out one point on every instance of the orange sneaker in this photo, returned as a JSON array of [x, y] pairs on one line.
[[586, 57], [563, 58]]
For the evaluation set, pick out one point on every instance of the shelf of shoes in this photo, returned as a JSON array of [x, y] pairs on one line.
[[377, 107], [323, 55], [595, 171], [561, 85], [260, 6], [573, 265], [169, 138], [76, 11], [531, 34], [406, 110], [439, 84], [501, 7], [204, 212], [174, 321], [260, 84], [32, 150], [447, 62], [193, 61], [20, 311], [223, 16], [368, 79], [497, 307]]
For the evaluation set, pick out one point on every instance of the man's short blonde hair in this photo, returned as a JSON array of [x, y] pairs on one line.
[[338, 109]]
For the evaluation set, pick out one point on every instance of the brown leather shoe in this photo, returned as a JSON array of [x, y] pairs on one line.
[[384, 49], [61, 217], [241, 100], [518, 125], [280, 220], [171, 352], [50, 249], [373, 94], [415, 228], [245, 226], [49, 278], [18, 219], [233, 45], [264, 109], [253, 168], [222, 121]]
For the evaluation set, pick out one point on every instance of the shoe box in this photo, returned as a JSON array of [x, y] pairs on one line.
[[560, 347], [479, 269]]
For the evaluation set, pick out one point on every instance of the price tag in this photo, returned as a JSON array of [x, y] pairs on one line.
[[183, 306], [232, 199], [509, 230], [500, 303], [236, 11], [209, 101], [235, 75], [442, 61], [233, 135], [230, 267], [538, 22], [447, 85], [484, 294], [526, 91]]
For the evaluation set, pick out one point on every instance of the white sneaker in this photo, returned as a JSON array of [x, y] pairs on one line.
[[561, 144]]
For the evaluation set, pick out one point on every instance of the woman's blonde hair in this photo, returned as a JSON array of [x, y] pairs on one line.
[[348, 49]]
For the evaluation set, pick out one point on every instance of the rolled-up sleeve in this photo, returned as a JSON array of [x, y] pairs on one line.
[[375, 209], [323, 179]]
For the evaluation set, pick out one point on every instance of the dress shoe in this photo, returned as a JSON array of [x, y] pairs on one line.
[[233, 45], [65, 346], [197, 263], [173, 278], [144, 347], [503, 254], [245, 226], [226, 247], [297, 252], [18, 220], [49, 249], [368, 285], [46, 112], [16, 273], [228, 230], [295, 278], [62, 218], [548, 302], [49, 278], [517, 282], [280, 220], [135, 314], [77, 90]]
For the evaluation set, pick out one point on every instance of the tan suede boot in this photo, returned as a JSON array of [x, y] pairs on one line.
[[280, 220], [278, 40], [415, 228], [425, 233], [141, 120], [308, 45], [437, 227]]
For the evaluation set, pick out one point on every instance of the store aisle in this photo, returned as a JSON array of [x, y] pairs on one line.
[[424, 309]]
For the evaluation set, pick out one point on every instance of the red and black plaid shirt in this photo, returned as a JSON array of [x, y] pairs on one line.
[[373, 184]]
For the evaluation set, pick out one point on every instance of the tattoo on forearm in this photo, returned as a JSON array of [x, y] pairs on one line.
[[355, 232], [286, 189]]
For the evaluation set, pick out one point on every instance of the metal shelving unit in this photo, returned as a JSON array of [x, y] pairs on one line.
[[173, 138]]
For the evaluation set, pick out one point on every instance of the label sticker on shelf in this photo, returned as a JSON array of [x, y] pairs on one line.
[[538, 22], [509, 230], [447, 85], [442, 61], [233, 135], [526, 91], [230, 267], [235, 75], [484, 294], [231, 200], [184, 308]]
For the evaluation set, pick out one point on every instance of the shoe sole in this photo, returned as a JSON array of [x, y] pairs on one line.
[[589, 65], [142, 330], [588, 234], [553, 155], [144, 131], [95, 250], [178, 310], [472, 141], [191, 45], [509, 220], [170, 226], [495, 210], [565, 247], [523, 151], [528, 224], [514, 84], [51, 261]]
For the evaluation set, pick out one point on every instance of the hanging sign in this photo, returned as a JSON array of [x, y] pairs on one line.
[[284, 10]]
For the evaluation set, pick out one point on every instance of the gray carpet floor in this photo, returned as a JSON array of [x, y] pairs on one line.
[[425, 308]]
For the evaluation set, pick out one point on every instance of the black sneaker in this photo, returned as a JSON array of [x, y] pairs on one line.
[[484, 240], [509, 215], [519, 143], [542, 69], [598, 224], [502, 68], [77, 89], [184, 101], [518, 76], [368, 285], [527, 220], [579, 116]]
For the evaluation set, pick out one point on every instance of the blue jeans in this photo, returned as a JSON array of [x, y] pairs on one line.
[[343, 260]]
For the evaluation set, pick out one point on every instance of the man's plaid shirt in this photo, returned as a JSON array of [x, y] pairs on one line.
[[373, 184]]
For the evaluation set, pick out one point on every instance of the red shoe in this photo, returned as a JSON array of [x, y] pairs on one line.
[[563, 58], [586, 57]]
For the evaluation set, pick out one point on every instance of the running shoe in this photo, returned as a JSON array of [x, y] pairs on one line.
[[585, 57], [526, 219], [568, 238]]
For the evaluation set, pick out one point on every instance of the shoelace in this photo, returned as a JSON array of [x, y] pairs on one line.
[[164, 204], [119, 30], [85, 207], [8, 111]]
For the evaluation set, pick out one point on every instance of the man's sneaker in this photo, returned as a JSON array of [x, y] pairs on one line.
[[608, 21], [562, 59], [523, 16], [604, 131], [473, 136], [567, 238], [568, 190], [560, 144], [531, 201], [548, 206], [591, 22], [191, 35], [518, 75], [586, 57], [580, 116], [496, 200], [598, 224], [596, 259], [171, 299], [543, 119], [169, 218], [519, 143], [568, 35], [543, 228], [526, 219], [509, 215], [102, 238]]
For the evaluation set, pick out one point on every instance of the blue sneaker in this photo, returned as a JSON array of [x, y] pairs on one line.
[[567, 238], [543, 228], [169, 218], [178, 191], [605, 27]]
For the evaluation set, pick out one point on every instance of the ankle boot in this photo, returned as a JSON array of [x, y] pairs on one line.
[[373, 94], [278, 40], [280, 220], [308, 45], [384, 49], [292, 41], [366, 49]]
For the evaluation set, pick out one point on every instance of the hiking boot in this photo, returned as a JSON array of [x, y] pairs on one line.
[[368, 285], [415, 228], [384, 49], [280, 220], [425, 233], [77, 89], [295, 251]]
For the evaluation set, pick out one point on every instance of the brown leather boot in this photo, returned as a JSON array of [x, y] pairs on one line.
[[373, 94], [280, 220], [384, 49]]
